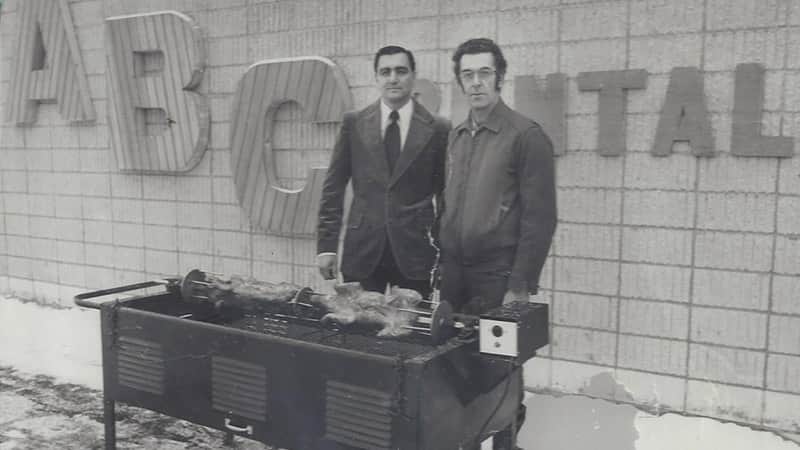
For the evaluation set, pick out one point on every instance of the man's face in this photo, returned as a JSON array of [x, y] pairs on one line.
[[478, 78], [395, 78]]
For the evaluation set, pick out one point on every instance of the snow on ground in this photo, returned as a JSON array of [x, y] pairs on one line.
[[38, 413]]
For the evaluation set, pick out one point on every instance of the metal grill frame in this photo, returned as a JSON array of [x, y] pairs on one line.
[[419, 388]]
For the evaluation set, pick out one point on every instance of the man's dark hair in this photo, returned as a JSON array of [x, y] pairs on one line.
[[391, 50], [480, 45]]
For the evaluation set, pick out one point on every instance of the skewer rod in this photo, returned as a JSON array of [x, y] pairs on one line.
[[416, 328], [415, 311], [292, 317]]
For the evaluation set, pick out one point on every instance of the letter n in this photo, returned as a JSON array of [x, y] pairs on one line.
[[49, 67], [155, 63], [547, 106], [319, 87]]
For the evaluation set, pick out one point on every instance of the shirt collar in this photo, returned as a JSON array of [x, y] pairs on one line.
[[404, 112]]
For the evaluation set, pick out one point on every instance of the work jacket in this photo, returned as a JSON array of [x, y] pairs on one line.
[[500, 194]]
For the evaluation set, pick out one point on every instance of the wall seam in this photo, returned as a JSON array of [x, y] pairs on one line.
[[694, 230], [776, 203]]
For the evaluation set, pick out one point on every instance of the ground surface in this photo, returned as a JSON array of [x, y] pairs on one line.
[[37, 414]]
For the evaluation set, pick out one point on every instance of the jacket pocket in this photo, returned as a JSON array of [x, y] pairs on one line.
[[355, 221], [503, 212]]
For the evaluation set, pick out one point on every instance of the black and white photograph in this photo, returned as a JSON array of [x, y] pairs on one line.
[[400, 224]]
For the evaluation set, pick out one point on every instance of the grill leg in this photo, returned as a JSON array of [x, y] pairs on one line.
[[506, 439], [227, 441], [110, 419]]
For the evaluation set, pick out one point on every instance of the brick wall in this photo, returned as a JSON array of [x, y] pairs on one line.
[[679, 275]]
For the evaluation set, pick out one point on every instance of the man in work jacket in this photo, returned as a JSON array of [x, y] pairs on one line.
[[499, 202]]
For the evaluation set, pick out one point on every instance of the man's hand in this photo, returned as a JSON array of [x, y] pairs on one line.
[[514, 295], [327, 265]]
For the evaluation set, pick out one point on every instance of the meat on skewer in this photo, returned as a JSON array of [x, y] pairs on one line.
[[250, 288], [352, 303]]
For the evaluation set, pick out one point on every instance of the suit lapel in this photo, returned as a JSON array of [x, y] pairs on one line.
[[419, 133], [370, 132]]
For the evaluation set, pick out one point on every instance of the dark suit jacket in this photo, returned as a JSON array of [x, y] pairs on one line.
[[398, 205]]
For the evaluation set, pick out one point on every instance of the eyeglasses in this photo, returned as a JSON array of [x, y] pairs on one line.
[[484, 74], [386, 72]]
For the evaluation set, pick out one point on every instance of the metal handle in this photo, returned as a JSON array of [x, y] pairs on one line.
[[80, 299], [248, 429]]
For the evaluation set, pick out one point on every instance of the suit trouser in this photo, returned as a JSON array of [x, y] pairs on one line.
[[474, 287], [388, 273]]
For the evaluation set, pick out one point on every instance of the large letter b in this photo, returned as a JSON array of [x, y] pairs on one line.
[[155, 61]]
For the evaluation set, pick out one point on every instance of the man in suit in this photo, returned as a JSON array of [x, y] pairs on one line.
[[393, 151]]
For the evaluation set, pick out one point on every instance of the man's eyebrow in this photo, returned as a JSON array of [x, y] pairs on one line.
[[394, 67]]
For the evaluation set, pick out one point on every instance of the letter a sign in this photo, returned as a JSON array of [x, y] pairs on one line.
[[49, 66]]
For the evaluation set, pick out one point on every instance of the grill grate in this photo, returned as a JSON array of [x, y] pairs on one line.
[[140, 365], [358, 416], [239, 387]]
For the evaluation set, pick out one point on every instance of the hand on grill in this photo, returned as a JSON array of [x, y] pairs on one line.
[[327, 265]]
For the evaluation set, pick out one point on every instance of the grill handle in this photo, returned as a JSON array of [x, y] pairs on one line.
[[81, 299], [248, 429]]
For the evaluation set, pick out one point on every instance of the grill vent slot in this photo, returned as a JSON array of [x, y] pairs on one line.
[[358, 416], [239, 387], [140, 365]]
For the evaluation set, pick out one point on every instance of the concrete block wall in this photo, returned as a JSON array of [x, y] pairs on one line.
[[678, 275]]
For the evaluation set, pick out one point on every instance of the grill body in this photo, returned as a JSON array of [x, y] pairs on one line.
[[296, 385]]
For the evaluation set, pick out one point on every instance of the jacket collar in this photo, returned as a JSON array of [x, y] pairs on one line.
[[494, 122]]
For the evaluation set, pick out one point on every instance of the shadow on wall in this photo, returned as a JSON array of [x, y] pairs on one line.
[[580, 423]]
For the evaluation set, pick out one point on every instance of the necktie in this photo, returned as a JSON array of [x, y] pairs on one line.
[[391, 140]]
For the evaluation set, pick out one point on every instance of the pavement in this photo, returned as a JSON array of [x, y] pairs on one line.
[[38, 413]]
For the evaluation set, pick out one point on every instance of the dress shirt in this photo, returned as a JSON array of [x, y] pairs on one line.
[[404, 122]]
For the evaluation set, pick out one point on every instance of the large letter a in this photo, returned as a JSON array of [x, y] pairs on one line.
[[49, 66]]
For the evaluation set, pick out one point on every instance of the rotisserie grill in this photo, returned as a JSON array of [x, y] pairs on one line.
[[305, 371]]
